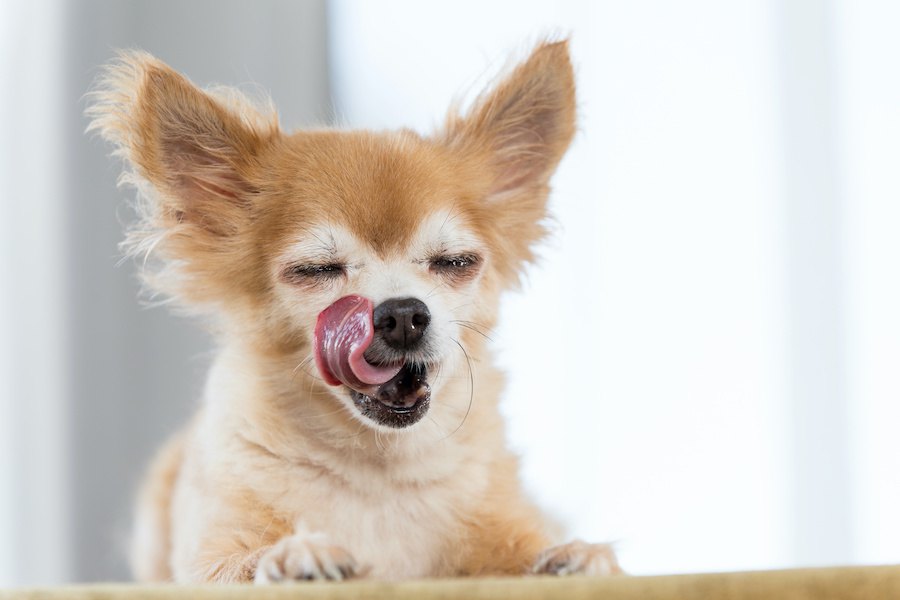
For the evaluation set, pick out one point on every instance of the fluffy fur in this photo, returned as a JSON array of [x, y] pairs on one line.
[[279, 477]]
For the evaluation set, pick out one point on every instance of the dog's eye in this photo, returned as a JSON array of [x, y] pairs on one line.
[[457, 262], [459, 267], [306, 273]]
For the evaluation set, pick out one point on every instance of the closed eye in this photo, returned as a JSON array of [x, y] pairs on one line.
[[313, 273], [457, 267]]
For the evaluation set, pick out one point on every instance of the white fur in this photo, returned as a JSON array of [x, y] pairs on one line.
[[404, 275]]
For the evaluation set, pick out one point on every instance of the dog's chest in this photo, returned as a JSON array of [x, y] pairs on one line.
[[397, 531], [399, 537]]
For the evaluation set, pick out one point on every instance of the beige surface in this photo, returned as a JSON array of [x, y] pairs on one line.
[[875, 583]]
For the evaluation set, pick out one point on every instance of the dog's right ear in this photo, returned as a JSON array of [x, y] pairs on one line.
[[195, 151], [198, 152]]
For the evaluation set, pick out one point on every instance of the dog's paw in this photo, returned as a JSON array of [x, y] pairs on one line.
[[577, 558], [305, 556]]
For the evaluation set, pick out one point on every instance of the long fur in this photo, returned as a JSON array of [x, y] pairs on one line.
[[278, 477]]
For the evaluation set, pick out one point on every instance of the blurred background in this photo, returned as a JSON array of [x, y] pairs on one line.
[[719, 303]]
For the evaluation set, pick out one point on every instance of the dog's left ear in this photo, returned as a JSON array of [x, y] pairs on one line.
[[515, 135], [525, 123]]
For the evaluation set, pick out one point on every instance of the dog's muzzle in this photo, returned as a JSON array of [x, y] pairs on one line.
[[373, 353]]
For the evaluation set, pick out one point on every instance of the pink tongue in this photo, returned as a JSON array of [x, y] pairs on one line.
[[344, 332]]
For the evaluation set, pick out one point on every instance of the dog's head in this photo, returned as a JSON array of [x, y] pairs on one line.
[[272, 233]]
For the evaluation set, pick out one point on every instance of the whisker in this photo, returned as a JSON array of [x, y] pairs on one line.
[[338, 410], [302, 366], [481, 326], [311, 392], [472, 327], [434, 291], [463, 305], [471, 388], [361, 429]]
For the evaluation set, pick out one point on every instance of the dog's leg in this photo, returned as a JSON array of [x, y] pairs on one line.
[[504, 537], [150, 540], [508, 547], [305, 556], [279, 554], [577, 558], [508, 535]]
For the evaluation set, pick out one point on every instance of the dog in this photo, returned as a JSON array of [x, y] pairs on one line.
[[349, 425]]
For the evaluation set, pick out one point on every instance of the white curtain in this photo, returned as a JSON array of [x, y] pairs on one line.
[[869, 154], [34, 524], [703, 366]]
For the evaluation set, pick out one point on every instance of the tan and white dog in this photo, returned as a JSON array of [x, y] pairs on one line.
[[350, 423]]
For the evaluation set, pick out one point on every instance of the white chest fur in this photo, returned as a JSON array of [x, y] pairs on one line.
[[397, 529], [395, 503]]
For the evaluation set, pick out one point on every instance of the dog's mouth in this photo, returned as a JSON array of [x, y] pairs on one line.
[[399, 402], [391, 395]]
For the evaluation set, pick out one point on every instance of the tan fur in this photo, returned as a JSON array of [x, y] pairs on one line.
[[278, 477], [150, 542]]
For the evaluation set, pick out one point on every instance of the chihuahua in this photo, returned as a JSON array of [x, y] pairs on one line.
[[349, 424]]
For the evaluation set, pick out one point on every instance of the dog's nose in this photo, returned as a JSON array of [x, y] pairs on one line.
[[401, 322]]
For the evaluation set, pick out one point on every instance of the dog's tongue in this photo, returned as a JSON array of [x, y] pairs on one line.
[[343, 333]]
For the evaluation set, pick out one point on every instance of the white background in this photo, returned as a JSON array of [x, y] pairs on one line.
[[705, 365]]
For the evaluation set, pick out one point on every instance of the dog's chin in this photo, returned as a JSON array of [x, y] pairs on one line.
[[398, 403]]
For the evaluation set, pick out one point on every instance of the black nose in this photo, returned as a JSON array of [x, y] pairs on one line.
[[401, 322]]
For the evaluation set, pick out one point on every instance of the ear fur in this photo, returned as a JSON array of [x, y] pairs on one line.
[[527, 120], [520, 129], [192, 155]]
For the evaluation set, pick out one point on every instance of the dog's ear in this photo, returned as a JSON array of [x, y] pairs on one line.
[[198, 151], [518, 131], [525, 122]]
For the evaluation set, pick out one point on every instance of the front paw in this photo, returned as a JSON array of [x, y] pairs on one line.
[[577, 558], [305, 556]]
